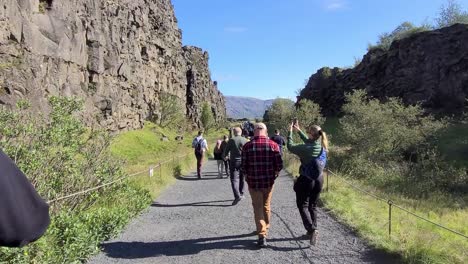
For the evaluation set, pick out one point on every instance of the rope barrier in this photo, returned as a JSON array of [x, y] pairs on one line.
[[112, 182], [357, 188], [427, 220], [391, 203]]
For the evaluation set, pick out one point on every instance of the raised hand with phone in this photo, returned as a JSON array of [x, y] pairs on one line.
[[294, 125]]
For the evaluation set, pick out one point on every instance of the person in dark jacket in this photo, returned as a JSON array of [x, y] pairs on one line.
[[24, 216], [218, 156], [313, 154], [279, 140], [226, 159], [233, 151]]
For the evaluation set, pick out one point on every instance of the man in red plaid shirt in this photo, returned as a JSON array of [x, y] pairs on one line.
[[261, 164]]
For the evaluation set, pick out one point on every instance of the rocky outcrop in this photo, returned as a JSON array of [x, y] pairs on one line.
[[117, 55], [429, 68], [200, 88]]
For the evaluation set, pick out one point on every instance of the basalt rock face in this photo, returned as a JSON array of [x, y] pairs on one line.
[[119, 56], [200, 88], [428, 68]]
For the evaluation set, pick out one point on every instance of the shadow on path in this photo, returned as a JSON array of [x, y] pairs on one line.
[[139, 250], [208, 204], [136, 250], [205, 176]]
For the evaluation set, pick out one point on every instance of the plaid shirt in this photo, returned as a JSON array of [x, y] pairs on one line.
[[261, 162]]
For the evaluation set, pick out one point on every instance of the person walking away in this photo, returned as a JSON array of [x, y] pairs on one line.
[[234, 150], [279, 140], [261, 163], [200, 145], [218, 156], [313, 155], [225, 159]]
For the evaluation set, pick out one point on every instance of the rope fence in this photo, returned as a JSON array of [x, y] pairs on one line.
[[150, 173], [391, 204]]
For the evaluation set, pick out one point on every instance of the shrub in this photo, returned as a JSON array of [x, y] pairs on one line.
[[308, 113], [450, 14], [207, 117], [404, 30], [392, 146], [380, 131], [59, 154], [172, 110], [431, 172]]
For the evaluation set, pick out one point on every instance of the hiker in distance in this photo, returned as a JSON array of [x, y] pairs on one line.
[[200, 145], [261, 163], [233, 153], [279, 140], [313, 155], [218, 156], [226, 159]]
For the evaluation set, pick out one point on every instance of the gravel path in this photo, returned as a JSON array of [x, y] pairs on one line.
[[193, 222]]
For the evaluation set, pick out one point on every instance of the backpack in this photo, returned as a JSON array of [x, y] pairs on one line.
[[314, 168], [198, 146]]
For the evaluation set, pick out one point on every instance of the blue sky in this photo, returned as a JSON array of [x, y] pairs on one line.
[[268, 48]]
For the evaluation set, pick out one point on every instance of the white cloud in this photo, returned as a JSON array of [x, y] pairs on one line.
[[334, 4], [235, 29]]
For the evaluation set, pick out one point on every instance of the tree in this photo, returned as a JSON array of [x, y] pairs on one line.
[[172, 111], [207, 117], [450, 14], [279, 114], [308, 113]]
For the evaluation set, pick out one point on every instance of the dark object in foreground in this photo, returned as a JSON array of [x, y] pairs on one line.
[[24, 215]]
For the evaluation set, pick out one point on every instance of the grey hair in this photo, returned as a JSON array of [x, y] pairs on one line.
[[237, 131]]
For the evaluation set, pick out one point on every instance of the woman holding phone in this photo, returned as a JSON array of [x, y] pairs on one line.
[[313, 155]]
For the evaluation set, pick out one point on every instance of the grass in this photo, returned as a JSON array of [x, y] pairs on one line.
[[415, 240], [143, 149]]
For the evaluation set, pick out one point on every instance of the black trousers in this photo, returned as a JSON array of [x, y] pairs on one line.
[[307, 194], [237, 178], [199, 163], [226, 167]]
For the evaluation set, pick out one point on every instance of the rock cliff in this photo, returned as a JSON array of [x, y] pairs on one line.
[[117, 55], [430, 68]]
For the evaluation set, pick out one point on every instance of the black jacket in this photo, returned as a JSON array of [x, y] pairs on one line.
[[24, 216], [279, 140]]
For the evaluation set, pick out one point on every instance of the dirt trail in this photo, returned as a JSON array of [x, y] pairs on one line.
[[193, 222]]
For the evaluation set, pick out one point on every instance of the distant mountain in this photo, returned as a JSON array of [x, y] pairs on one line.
[[245, 107]]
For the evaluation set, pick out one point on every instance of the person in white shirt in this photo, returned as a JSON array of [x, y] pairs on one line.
[[201, 146]]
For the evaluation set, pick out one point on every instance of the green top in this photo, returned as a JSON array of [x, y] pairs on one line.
[[307, 151], [234, 146]]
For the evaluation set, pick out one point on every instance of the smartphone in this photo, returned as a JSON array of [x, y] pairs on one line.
[[294, 121]]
